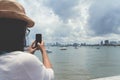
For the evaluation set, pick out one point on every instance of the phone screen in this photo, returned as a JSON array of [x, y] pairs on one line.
[[38, 38]]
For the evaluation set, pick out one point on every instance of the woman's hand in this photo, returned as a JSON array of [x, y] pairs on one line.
[[32, 48], [41, 46]]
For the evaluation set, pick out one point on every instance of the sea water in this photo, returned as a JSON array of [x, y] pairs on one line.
[[84, 63]]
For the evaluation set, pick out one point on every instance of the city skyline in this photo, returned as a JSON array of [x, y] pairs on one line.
[[75, 44], [74, 20]]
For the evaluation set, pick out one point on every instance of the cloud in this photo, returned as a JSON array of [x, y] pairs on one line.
[[63, 8], [104, 17], [49, 22], [74, 20]]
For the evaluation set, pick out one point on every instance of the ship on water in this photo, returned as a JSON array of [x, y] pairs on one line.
[[63, 48]]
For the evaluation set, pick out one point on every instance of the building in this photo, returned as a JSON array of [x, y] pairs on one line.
[[106, 42], [101, 43]]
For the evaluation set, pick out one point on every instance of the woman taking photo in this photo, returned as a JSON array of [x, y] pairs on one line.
[[15, 64]]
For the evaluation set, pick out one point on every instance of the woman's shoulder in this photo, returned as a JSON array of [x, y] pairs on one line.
[[26, 57]]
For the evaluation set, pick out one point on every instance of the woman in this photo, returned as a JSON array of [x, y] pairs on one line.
[[15, 64]]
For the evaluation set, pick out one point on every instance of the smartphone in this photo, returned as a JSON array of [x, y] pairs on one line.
[[38, 39]]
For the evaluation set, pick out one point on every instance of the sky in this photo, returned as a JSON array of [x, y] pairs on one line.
[[69, 21]]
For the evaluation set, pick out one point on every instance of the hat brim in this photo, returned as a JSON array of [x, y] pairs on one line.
[[15, 15]]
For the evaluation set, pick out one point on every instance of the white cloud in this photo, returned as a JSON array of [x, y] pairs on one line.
[[70, 20]]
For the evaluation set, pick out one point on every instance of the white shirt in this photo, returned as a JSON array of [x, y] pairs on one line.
[[23, 66]]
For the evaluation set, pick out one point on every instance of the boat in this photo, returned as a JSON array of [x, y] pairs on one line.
[[48, 51], [63, 48]]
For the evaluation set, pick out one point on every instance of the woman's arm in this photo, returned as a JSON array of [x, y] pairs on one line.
[[42, 48], [45, 58]]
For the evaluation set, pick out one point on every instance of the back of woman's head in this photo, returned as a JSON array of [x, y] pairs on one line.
[[12, 34]]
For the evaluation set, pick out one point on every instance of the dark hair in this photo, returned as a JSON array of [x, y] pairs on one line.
[[12, 34]]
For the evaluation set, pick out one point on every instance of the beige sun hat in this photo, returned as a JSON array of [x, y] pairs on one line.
[[13, 9]]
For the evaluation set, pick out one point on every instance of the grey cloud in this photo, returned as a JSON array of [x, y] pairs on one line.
[[63, 8], [105, 17]]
